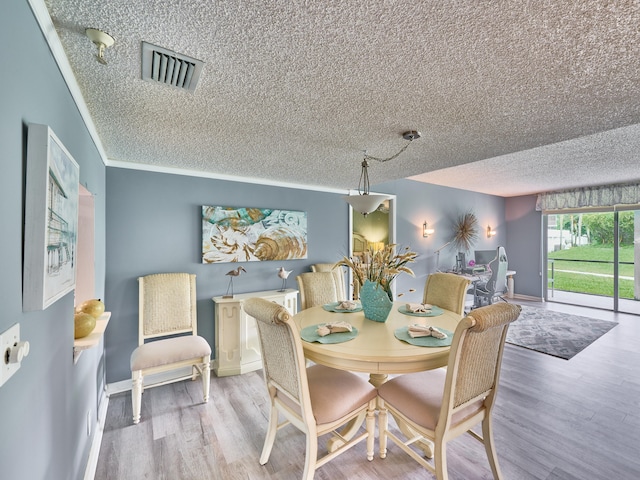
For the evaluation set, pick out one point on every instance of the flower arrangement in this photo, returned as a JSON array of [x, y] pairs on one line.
[[382, 267]]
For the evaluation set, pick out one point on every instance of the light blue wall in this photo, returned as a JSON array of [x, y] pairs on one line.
[[440, 207], [154, 225], [44, 406]]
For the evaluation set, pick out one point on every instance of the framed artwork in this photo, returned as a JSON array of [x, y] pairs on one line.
[[248, 234], [51, 220]]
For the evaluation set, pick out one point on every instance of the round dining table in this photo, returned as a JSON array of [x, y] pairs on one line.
[[375, 349]]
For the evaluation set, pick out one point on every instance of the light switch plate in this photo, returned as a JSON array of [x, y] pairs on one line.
[[8, 339]]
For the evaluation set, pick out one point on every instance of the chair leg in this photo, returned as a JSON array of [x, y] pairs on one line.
[[136, 394], [311, 456], [272, 429], [383, 424], [489, 446], [440, 459], [206, 379]]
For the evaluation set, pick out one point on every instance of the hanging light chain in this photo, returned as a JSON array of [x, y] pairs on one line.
[[364, 178]]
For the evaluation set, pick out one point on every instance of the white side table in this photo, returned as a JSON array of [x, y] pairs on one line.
[[237, 346]]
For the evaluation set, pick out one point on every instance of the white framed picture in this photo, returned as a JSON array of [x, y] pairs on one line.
[[50, 220]]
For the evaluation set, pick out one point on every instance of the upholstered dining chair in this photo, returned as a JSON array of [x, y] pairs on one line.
[[317, 400], [446, 290], [442, 404], [167, 334], [317, 288], [338, 273]]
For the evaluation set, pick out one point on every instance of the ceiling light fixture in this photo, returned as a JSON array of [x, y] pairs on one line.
[[366, 202], [101, 40]]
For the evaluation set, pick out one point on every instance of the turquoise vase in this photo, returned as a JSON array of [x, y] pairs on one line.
[[375, 301]]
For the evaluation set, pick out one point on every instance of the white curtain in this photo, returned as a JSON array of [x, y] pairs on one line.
[[590, 197]]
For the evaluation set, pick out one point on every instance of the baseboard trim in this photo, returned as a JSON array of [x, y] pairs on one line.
[[94, 451], [529, 298]]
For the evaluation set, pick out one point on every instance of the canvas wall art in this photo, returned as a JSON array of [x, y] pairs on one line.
[[51, 220], [246, 234]]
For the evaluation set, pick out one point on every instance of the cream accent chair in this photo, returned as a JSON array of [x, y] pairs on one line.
[[442, 404], [446, 290], [167, 307], [317, 288], [317, 400], [338, 273]]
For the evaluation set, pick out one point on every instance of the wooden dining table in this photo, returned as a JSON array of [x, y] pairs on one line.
[[376, 350]]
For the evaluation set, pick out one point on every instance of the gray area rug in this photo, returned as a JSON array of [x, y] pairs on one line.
[[559, 334]]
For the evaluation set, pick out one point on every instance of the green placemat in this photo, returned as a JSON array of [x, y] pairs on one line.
[[435, 311], [310, 334], [402, 333], [332, 307]]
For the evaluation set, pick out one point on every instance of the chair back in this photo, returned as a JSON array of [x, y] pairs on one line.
[[473, 369], [167, 305], [499, 265], [282, 355], [338, 273], [317, 288], [446, 290]]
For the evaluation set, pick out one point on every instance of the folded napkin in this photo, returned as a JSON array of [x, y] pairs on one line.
[[418, 307], [336, 327], [346, 305], [425, 331]]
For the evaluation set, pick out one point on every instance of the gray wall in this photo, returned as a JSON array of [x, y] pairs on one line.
[[524, 244], [154, 225], [44, 406]]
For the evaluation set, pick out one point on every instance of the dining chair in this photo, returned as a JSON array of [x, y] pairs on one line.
[[167, 334], [442, 404], [317, 400], [317, 288], [338, 273], [446, 290]]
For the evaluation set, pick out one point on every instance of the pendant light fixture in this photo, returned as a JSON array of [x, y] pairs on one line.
[[366, 202]]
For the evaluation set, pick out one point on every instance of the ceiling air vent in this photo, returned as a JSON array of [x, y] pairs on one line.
[[169, 68]]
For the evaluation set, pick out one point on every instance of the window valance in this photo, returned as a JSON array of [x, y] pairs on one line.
[[590, 197]]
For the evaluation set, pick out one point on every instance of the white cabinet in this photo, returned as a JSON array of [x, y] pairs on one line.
[[237, 346]]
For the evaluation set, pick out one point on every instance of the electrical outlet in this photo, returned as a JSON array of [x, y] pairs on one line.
[[12, 351]]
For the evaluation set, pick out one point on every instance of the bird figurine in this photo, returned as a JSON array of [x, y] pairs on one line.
[[232, 273], [283, 274]]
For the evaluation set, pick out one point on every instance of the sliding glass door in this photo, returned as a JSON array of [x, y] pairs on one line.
[[590, 259]]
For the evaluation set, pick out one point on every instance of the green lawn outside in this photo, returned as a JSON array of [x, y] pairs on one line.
[[592, 284]]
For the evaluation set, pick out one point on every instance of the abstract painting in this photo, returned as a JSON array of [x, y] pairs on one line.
[[231, 234]]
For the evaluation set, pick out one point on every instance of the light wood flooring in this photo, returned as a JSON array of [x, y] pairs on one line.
[[554, 420]]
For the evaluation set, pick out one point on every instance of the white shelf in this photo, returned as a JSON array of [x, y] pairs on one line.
[[91, 340]]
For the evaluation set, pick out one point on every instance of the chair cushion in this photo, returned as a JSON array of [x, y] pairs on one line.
[[168, 351], [419, 397], [335, 393]]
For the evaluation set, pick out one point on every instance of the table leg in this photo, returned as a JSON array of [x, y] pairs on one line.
[[350, 429]]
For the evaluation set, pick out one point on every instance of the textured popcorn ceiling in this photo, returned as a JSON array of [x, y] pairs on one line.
[[510, 97]]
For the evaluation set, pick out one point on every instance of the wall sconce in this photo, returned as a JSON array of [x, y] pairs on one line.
[[426, 231], [490, 233]]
